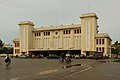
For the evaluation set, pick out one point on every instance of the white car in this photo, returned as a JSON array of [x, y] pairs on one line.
[[77, 57]]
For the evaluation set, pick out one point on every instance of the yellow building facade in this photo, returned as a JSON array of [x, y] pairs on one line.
[[74, 38]]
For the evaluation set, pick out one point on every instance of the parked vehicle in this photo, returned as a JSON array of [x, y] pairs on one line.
[[77, 57], [23, 57], [98, 55], [82, 56], [52, 56]]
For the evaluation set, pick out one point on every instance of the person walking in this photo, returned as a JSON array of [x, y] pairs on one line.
[[63, 57], [68, 57], [7, 61]]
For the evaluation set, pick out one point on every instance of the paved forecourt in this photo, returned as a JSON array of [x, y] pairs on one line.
[[24, 69]]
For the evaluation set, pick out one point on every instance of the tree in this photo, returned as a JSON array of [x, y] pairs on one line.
[[1, 43], [116, 48], [116, 43], [115, 51], [1, 51], [1, 47], [10, 50], [7, 50]]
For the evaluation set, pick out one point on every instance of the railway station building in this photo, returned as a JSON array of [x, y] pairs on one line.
[[83, 38]]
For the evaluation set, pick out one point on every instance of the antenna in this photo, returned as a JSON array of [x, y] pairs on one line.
[[26, 16], [88, 7], [56, 17]]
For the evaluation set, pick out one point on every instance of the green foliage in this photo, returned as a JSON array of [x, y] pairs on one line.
[[115, 51], [1, 51], [1, 43], [116, 43], [8, 50], [116, 48], [5, 50]]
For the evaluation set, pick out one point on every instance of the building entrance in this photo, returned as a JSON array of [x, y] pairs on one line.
[[54, 52]]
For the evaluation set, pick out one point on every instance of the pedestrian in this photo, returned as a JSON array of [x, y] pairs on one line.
[[63, 56], [68, 57], [7, 61]]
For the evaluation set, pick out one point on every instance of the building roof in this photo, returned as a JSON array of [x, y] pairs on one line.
[[16, 39], [88, 15], [58, 27], [103, 35], [26, 23]]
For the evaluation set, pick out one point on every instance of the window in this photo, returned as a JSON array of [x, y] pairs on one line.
[[80, 30], [66, 31], [35, 34], [17, 44], [100, 49], [103, 49], [102, 41], [74, 31], [69, 31], [97, 41], [48, 33], [77, 31], [97, 49], [17, 51], [39, 34], [44, 33]]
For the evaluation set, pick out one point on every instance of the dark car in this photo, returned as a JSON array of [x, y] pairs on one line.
[[98, 55], [53, 57]]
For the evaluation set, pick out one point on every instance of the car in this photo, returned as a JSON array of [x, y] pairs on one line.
[[23, 57], [98, 55], [77, 57], [53, 57], [82, 56]]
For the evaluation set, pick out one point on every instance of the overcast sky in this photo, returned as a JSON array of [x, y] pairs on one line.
[[57, 12]]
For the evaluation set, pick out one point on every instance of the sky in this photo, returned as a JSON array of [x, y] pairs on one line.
[[57, 12]]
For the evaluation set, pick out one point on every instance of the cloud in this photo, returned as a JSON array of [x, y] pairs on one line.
[[56, 12]]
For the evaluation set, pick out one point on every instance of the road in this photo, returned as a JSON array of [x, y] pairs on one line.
[[100, 71], [44, 69]]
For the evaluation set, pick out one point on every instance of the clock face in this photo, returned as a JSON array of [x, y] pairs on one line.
[[56, 34]]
